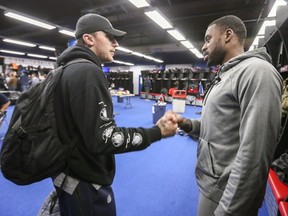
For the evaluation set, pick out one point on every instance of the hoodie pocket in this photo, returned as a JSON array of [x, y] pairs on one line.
[[205, 159]]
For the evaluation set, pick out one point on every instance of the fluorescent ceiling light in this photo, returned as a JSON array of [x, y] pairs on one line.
[[266, 23], [29, 20], [37, 56], [121, 62], [256, 40], [252, 47], [52, 58], [196, 53], [47, 48], [12, 52], [67, 32], [148, 57], [158, 60], [153, 59], [194, 50], [199, 55], [139, 3], [124, 49], [19, 42], [176, 34], [159, 19], [277, 3], [272, 13], [187, 44], [138, 54]]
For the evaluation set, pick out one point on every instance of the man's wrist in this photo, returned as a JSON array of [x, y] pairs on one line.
[[186, 125]]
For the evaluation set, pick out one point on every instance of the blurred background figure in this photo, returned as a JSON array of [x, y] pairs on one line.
[[24, 80]]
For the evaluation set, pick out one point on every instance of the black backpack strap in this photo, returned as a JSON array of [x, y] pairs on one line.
[[66, 172], [78, 60], [55, 77]]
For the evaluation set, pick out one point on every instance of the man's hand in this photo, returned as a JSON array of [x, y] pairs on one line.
[[183, 123], [168, 124]]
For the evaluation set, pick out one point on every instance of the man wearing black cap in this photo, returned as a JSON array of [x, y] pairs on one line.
[[84, 113]]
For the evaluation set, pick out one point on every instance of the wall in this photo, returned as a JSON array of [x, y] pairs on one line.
[[135, 69], [136, 73], [28, 62]]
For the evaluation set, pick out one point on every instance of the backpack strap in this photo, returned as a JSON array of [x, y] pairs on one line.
[[66, 171], [55, 77], [78, 60]]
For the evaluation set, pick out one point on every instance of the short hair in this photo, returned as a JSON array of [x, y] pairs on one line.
[[80, 41], [234, 23]]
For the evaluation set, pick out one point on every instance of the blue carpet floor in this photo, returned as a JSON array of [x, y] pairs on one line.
[[158, 181]]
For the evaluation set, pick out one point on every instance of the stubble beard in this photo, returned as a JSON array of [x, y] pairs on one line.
[[216, 57]]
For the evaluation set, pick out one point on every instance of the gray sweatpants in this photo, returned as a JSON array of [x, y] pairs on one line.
[[206, 207]]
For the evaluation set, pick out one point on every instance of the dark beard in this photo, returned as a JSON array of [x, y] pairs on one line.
[[216, 57]]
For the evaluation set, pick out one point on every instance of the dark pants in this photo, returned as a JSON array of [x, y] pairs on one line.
[[87, 201], [147, 91]]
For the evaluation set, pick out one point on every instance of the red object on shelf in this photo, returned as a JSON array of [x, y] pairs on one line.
[[181, 94], [192, 90], [171, 91], [283, 208]]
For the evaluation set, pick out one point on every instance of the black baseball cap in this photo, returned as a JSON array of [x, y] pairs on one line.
[[90, 23]]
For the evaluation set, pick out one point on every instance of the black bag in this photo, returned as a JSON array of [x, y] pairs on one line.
[[280, 167], [31, 150]]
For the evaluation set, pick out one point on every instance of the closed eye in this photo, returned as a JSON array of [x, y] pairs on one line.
[[207, 38]]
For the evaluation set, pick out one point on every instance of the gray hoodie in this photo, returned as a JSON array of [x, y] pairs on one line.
[[240, 123]]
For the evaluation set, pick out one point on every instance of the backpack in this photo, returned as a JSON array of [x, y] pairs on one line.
[[31, 149]]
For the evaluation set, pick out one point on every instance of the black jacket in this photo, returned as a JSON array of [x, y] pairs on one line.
[[84, 113]]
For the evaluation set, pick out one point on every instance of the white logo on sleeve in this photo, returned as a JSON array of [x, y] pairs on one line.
[[107, 133], [109, 198], [128, 140], [103, 114], [117, 139], [137, 139]]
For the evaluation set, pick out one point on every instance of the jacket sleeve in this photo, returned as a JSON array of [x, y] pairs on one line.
[[258, 92], [195, 132], [92, 111]]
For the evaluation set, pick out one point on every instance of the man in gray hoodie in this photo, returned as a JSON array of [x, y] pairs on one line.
[[240, 123]]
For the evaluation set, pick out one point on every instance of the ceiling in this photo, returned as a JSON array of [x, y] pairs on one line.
[[191, 17]]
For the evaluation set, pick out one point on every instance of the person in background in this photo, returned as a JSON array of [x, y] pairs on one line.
[[34, 79], [2, 82], [240, 123], [13, 81], [24, 81], [84, 113], [4, 104], [147, 87]]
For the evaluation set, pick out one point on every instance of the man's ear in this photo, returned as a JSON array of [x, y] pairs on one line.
[[228, 35], [88, 39]]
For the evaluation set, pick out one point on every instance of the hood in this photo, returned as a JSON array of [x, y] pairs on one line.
[[258, 53], [75, 52]]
